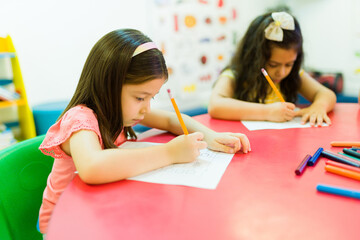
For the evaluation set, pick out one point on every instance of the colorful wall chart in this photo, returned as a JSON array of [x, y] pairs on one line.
[[198, 38]]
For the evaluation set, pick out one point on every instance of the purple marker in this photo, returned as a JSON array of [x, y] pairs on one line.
[[302, 165]]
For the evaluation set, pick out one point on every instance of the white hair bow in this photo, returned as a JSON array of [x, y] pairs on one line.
[[282, 20]]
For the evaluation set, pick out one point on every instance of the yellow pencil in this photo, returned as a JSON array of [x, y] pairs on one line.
[[178, 114], [272, 85]]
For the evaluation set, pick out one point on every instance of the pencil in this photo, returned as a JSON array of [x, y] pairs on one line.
[[272, 85], [344, 144], [178, 114]]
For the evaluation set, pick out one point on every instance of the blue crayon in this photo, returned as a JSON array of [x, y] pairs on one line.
[[314, 158], [338, 191]]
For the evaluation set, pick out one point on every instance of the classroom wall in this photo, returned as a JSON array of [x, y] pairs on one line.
[[53, 38], [331, 30]]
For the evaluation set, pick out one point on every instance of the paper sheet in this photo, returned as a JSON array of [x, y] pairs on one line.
[[259, 125], [205, 172]]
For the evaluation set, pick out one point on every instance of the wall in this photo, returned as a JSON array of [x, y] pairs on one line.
[[53, 38], [331, 30]]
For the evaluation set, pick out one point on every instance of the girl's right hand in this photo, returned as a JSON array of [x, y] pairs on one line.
[[280, 112], [186, 148]]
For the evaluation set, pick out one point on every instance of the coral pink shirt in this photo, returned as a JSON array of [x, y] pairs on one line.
[[63, 171]]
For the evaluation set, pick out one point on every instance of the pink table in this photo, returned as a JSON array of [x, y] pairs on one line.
[[258, 197]]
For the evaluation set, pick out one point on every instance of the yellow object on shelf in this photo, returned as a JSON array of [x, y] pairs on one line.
[[26, 119]]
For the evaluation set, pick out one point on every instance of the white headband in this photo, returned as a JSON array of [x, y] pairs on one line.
[[144, 47], [282, 20]]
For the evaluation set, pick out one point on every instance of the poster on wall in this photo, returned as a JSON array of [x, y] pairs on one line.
[[197, 38]]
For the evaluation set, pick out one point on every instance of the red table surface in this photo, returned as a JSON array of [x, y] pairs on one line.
[[258, 197]]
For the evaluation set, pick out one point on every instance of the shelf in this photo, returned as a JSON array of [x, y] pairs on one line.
[[7, 55], [5, 81], [18, 102]]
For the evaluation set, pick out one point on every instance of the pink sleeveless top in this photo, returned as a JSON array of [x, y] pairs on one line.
[[63, 171]]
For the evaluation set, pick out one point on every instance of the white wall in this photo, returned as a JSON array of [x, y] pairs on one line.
[[331, 30], [53, 38]]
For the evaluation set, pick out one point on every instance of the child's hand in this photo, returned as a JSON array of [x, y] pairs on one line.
[[186, 148], [315, 114], [228, 142], [280, 112]]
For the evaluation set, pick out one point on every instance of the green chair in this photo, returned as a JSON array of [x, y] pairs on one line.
[[23, 174]]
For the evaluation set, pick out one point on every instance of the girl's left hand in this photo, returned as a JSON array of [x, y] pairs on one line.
[[314, 115], [228, 142]]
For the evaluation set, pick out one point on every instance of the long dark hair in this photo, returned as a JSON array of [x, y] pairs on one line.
[[253, 52], [108, 67]]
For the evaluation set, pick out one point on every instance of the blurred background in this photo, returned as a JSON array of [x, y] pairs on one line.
[[53, 38]]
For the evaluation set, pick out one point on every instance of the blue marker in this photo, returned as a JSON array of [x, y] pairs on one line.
[[314, 158], [338, 191]]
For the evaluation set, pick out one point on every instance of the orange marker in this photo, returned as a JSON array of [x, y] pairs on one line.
[[178, 114], [341, 165], [343, 172], [344, 144], [272, 85]]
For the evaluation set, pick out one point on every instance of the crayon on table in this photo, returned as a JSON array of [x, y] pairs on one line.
[[344, 144], [351, 152], [299, 170], [178, 114], [349, 156], [339, 158], [314, 158], [272, 85], [342, 165], [338, 191], [343, 172]]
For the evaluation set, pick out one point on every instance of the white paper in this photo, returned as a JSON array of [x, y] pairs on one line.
[[205, 172], [294, 123]]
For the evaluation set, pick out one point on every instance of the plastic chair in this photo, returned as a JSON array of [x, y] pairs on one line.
[[23, 174]]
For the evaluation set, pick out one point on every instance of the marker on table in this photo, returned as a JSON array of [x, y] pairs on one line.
[[178, 113], [299, 170], [314, 158], [338, 191], [343, 172], [344, 144], [272, 85], [339, 158], [352, 153], [342, 165]]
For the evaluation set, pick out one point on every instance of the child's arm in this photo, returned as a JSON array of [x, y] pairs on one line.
[[323, 101], [222, 105], [224, 142], [97, 166]]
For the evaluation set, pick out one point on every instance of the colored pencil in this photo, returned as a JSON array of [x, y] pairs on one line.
[[272, 85], [343, 172], [178, 114], [338, 191]]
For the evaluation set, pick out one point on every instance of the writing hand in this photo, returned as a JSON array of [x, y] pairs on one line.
[[186, 148]]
